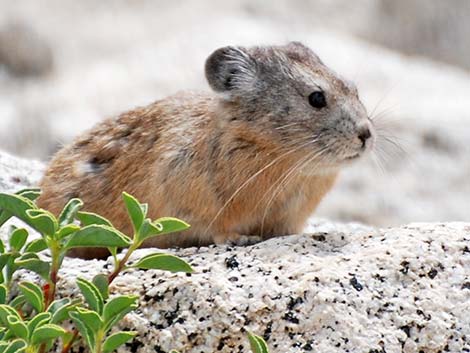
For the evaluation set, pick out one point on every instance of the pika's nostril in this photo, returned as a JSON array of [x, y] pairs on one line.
[[364, 135]]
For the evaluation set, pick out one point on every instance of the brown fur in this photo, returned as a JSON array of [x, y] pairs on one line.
[[188, 157]]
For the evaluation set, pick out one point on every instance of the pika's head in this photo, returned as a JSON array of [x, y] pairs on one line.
[[288, 94]]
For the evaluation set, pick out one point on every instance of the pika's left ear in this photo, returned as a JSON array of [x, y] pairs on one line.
[[231, 70]]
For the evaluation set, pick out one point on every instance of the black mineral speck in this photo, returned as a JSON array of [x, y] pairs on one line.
[[405, 267], [268, 331], [466, 285], [432, 273], [134, 345], [289, 316], [319, 237], [170, 316], [406, 329], [308, 346], [158, 349], [232, 262], [293, 302], [233, 279], [221, 343], [355, 283]]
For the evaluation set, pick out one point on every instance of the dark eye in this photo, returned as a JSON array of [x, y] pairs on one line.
[[317, 99]]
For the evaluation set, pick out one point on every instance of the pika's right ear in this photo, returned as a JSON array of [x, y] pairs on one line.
[[231, 70]]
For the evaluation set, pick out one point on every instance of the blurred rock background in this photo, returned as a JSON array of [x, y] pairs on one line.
[[64, 65]]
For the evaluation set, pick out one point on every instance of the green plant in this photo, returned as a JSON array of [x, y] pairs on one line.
[[257, 344], [31, 319]]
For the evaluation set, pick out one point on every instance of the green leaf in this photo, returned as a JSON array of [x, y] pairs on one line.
[[69, 212], [258, 345], [116, 340], [2, 245], [4, 259], [172, 225], [11, 204], [144, 207], [37, 245], [161, 226], [102, 283], [88, 219], [33, 294], [36, 265], [17, 327], [118, 307], [163, 262], [91, 294], [67, 230], [18, 238], [5, 311], [84, 330], [30, 193], [60, 309], [3, 294], [98, 236], [46, 333], [4, 217], [43, 221], [90, 318], [18, 301], [134, 210], [38, 321], [16, 346], [149, 230]]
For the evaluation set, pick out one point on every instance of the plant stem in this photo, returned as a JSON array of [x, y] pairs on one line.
[[55, 265], [120, 264], [66, 348], [49, 292], [99, 340], [42, 348]]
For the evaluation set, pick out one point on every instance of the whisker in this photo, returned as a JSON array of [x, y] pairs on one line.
[[382, 99], [286, 126], [286, 179], [378, 163], [250, 179]]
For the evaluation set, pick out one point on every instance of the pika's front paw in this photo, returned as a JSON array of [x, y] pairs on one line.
[[236, 239]]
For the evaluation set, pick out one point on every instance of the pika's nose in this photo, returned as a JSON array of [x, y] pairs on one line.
[[364, 135]]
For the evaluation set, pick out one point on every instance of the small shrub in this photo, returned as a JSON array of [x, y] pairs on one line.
[[31, 321]]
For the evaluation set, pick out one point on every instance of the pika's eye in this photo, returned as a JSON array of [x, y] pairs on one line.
[[317, 99]]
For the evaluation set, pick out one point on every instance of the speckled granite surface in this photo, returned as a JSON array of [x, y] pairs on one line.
[[343, 288], [337, 288]]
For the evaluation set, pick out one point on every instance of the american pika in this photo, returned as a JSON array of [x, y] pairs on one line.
[[250, 160]]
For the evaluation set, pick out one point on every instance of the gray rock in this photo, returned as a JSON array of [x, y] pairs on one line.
[[339, 288]]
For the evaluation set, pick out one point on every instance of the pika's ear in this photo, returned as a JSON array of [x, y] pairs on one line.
[[300, 52], [231, 70]]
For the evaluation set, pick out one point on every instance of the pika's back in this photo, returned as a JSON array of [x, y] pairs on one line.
[[125, 152]]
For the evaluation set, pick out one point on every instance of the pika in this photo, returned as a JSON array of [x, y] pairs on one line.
[[248, 161]]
